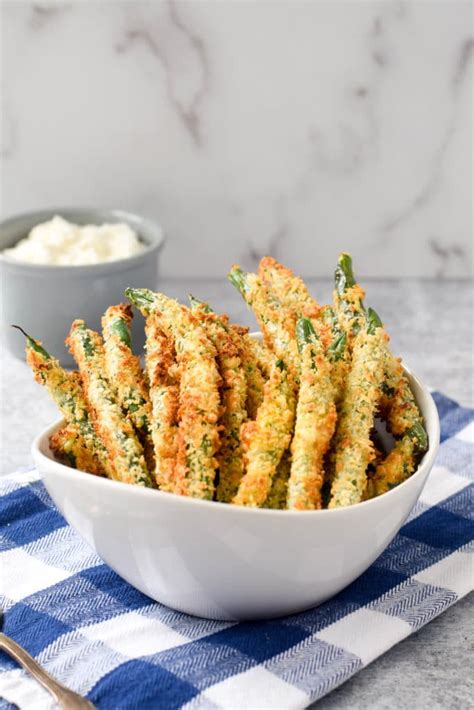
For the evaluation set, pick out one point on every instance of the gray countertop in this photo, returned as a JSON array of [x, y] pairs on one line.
[[430, 326]]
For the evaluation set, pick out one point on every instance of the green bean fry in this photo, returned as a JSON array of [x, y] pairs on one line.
[[286, 421]]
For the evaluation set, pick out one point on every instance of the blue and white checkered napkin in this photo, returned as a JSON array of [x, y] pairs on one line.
[[106, 640]]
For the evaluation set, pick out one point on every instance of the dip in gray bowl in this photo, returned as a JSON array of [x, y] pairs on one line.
[[45, 299]]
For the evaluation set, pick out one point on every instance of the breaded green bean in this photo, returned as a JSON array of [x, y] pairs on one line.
[[65, 388], [395, 468], [290, 290], [397, 402], [348, 298], [264, 356], [115, 431], [234, 396], [399, 407], [405, 422], [123, 367], [277, 324], [315, 421], [293, 295], [199, 404], [164, 396], [353, 449], [337, 353], [69, 446], [278, 492], [266, 439], [253, 373]]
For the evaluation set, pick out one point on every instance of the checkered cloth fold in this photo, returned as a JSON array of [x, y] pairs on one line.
[[103, 638]]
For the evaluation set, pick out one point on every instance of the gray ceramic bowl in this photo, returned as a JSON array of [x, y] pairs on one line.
[[45, 300]]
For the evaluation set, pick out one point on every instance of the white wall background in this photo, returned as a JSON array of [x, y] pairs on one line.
[[250, 127]]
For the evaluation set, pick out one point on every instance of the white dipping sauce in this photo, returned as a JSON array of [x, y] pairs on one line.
[[61, 243]]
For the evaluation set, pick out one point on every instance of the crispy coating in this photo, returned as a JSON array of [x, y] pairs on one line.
[[266, 439], [293, 295], [338, 353], [199, 400], [164, 395], [253, 373], [218, 415], [397, 402], [123, 367], [349, 308], [115, 431], [398, 465], [277, 324], [295, 298], [234, 396], [353, 449], [264, 357], [199, 410], [404, 420], [278, 492], [69, 446], [314, 428], [66, 390]]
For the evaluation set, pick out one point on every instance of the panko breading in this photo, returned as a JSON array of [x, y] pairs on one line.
[[69, 446], [396, 401], [264, 357], [66, 390], [315, 422], [164, 395], [253, 373], [348, 298], [277, 324], [293, 295], [234, 396], [267, 438], [399, 407], [352, 446], [217, 415], [277, 496], [404, 421], [199, 401], [123, 367], [114, 430], [337, 353], [395, 468]]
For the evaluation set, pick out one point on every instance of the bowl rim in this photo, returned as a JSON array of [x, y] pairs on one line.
[[429, 412], [153, 242]]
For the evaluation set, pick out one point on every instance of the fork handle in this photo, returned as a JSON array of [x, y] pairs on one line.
[[66, 698]]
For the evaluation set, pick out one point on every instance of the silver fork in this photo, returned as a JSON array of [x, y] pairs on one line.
[[67, 699]]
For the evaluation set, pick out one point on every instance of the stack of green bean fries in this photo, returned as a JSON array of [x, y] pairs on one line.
[[285, 423]]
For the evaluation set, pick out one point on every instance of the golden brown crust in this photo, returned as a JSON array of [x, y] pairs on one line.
[[69, 446], [199, 401], [314, 428], [395, 468], [277, 496], [114, 430], [352, 446], [293, 295], [350, 311], [66, 390], [253, 374], [265, 440], [164, 394], [234, 396]]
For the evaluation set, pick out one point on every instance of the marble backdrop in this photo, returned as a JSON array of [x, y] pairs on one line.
[[250, 127]]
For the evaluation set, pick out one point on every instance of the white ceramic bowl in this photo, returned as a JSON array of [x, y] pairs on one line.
[[227, 562]]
